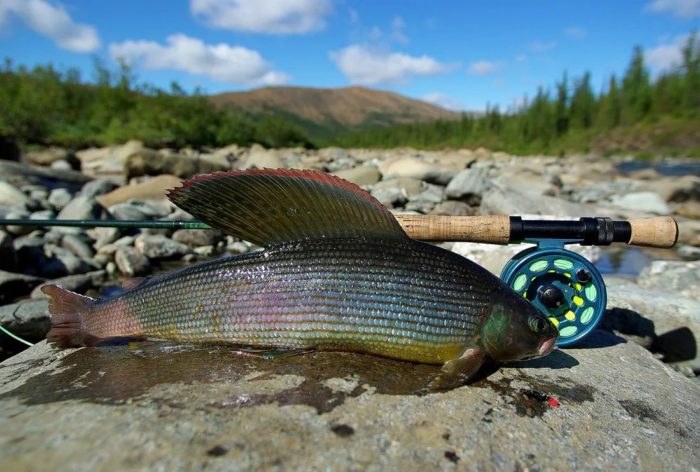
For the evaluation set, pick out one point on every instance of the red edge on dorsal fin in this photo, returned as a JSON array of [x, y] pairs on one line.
[[293, 173]]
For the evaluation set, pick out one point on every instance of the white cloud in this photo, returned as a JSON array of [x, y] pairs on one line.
[[484, 67], [363, 65], [397, 28], [442, 100], [575, 32], [666, 56], [263, 16], [52, 20], [680, 8], [220, 62]]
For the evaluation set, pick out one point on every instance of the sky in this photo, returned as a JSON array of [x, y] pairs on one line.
[[460, 54]]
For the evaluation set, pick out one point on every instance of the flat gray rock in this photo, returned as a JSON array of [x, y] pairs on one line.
[[607, 406]]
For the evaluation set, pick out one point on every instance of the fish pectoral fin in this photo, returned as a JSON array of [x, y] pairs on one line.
[[457, 372], [269, 354]]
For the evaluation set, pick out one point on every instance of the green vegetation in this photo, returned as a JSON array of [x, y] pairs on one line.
[[47, 106], [634, 114]]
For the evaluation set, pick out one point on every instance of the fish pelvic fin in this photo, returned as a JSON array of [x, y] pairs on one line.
[[67, 310], [458, 372], [270, 206]]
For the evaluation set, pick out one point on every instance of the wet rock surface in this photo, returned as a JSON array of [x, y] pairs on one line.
[[178, 407], [206, 407]]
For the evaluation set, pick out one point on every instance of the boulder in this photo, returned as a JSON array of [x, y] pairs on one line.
[[150, 162], [21, 174], [79, 283], [108, 163], [49, 155], [198, 237], [261, 158], [642, 201], [82, 207], [607, 406], [503, 201], [416, 169], [11, 196], [681, 278], [361, 175], [408, 186], [59, 198], [131, 262], [28, 319], [158, 246], [154, 188], [13, 286], [453, 208], [468, 186]]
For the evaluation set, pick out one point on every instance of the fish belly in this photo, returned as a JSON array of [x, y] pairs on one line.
[[399, 299]]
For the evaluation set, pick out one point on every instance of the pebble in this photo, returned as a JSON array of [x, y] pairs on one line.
[[131, 262]]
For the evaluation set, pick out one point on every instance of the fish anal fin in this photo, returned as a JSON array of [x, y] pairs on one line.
[[271, 206], [457, 372]]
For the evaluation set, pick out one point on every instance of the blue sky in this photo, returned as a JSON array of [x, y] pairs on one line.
[[458, 53]]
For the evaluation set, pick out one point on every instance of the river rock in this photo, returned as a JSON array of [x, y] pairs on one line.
[[47, 156], [14, 285], [668, 310], [158, 246], [108, 163], [689, 209], [642, 201], [198, 237], [11, 196], [408, 186], [79, 283], [8, 258], [390, 197], [21, 174], [679, 277], [152, 189], [150, 162], [82, 207], [468, 186], [611, 406], [59, 198], [131, 262], [453, 208], [503, 201], [416, 169], [96, 188], [361, 175], [28, 319], [78, 245], [261, 158]]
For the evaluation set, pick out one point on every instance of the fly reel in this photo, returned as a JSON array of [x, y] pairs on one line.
[[562, 284]]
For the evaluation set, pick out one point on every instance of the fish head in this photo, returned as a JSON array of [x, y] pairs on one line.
[[516, 330]]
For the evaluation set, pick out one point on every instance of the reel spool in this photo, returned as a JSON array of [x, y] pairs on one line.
[[562, 284]]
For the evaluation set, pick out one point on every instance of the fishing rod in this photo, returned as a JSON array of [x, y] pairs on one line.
[[659, 231], [561, 283]]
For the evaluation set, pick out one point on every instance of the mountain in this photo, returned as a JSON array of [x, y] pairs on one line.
[[323, 112]]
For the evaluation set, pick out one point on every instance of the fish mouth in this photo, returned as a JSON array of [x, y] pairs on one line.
[[547, 346]]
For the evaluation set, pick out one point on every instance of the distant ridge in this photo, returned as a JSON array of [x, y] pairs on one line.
[[325, 111]]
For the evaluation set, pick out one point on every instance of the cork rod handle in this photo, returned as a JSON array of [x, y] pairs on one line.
[[660, 231], [484, 229]]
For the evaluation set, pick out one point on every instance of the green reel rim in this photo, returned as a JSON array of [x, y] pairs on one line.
[[535, 268]]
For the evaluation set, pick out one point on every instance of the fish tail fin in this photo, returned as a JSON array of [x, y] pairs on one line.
[[67, 311]]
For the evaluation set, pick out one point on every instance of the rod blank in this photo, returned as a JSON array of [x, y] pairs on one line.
[[659, 231]]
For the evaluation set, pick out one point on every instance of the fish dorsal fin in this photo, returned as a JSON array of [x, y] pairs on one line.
[[271, 206]]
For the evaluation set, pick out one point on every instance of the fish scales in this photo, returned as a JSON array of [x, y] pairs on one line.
[[377, 296]]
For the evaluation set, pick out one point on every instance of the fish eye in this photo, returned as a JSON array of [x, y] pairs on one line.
[[538, 325]]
